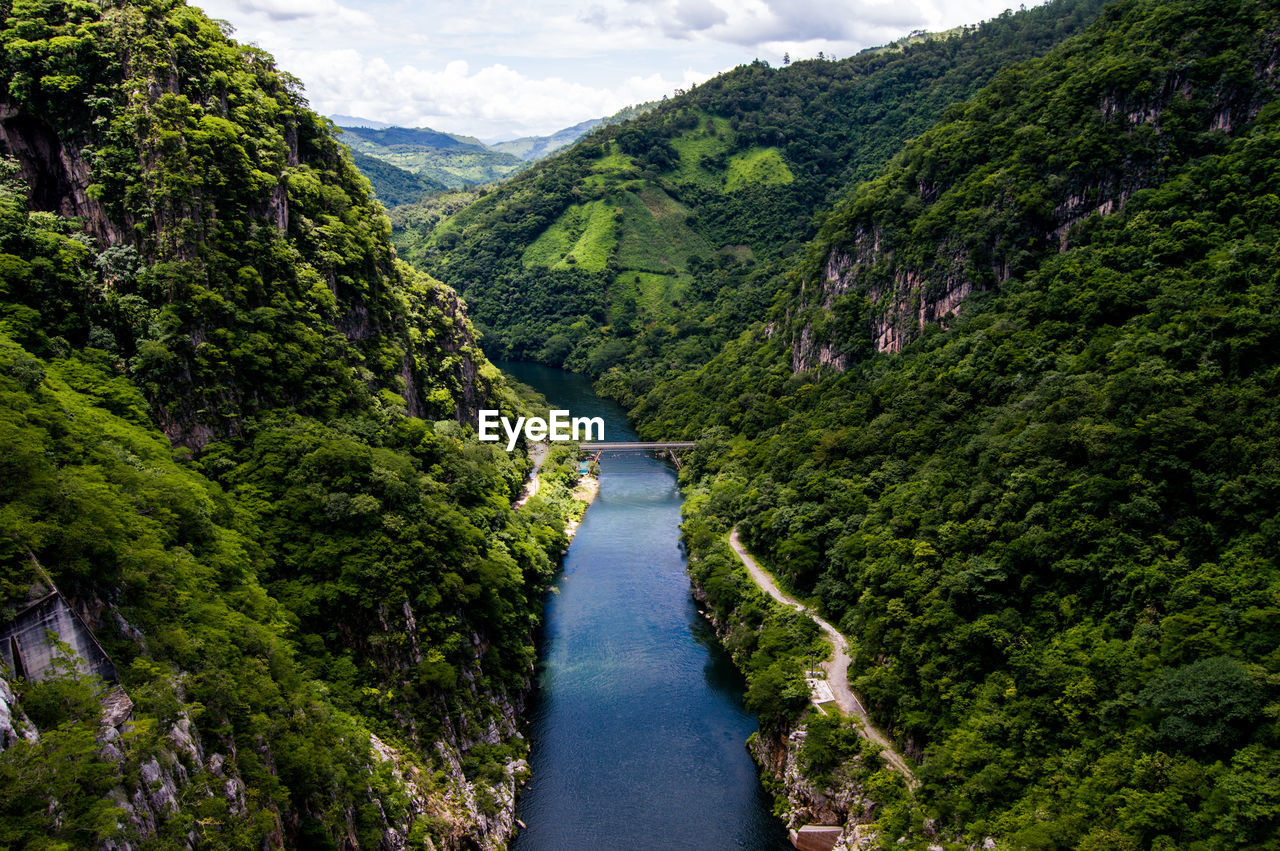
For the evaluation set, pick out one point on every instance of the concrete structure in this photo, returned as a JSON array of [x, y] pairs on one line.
[[26, 648], [820, 691], [670, 447], [816, 837]]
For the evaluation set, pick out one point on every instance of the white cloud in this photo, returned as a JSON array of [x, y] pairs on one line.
[[699, 14], [494, 100], [502, 67], [293, 10]]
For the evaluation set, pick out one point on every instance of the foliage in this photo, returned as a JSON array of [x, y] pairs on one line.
[[62, 696], [1049, 527], [713, 189], [394, 185], [230, 427], [773, 645]]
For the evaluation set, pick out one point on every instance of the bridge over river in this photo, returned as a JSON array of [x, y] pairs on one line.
[[635, 446], [670, 447]]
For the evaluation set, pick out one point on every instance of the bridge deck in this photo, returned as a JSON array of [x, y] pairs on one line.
[[635, 446]]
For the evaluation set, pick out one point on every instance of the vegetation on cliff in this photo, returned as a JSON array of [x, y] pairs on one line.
[[656, 241], [229, 433], [1050, 525]]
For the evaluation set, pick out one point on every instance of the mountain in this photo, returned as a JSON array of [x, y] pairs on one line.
[[356, 121], [671, 232], [395, 186], [406, 164], [976, 334], [977, 337], [235, 466], [445, 158], [532, 148]]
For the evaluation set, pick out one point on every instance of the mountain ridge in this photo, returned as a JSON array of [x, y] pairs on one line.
[[232, 433]]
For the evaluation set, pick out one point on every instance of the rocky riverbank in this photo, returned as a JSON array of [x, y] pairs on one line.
[[819, 817]]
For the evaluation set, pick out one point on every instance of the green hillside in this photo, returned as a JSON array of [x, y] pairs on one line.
[[1047, 516], [394, 186], [710, 193], [230, 436], [439, 158]]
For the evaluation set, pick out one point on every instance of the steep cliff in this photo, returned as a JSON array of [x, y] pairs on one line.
[[231, 431], [229, 209], [1009, 176]]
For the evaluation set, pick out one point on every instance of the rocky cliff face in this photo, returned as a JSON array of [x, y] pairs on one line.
[[841, 803], [14, 725], [906, 251], [58, 174], [157, 782]]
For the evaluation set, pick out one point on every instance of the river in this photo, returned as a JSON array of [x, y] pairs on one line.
[[638, 726]]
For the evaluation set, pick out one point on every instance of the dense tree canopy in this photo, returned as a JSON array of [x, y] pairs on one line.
[[658, 240], [229, 430], [1051, 526]]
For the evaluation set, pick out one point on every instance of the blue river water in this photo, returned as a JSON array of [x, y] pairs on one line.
[[638, 727]]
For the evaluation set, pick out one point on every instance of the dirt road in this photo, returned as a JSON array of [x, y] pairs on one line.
[[836, 668]]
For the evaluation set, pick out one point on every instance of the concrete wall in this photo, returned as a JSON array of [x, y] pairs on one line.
[[28, 635]]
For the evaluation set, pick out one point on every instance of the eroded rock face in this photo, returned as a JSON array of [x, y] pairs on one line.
[[841, 803], [57, 174], [473, 814], [476, 814], [14, 726], [891, 281]]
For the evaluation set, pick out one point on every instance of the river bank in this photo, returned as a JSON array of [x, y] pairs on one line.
[[586, 492], [836, 668], [637, 727]]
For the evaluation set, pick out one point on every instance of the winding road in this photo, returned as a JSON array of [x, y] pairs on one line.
[[836, 668], [537, 454]]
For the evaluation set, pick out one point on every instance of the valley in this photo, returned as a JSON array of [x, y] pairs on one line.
[[968, 341]]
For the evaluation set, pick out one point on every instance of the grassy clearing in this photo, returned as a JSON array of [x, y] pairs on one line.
[[614, 162], [583, 237], [696, 144], [759, 166], [655, 234], [654, 293], [741, 253]]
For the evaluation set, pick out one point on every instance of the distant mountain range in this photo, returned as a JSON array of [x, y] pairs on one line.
[[406, 163]]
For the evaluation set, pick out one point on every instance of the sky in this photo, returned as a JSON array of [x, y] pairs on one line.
[[498, 69]]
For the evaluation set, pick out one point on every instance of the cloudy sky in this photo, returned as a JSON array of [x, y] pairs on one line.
[[500, 68]]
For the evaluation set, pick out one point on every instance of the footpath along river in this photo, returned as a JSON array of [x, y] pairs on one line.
[[638, 726]]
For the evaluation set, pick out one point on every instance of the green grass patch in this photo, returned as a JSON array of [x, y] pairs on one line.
[[757, 167], [699, 143], [654, 293], [656, 236], [615, 161], [583, 237]]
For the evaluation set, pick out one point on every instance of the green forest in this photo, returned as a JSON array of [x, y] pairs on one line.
[[1002, 403], [232, 431], [976, 334], [661, 239]]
